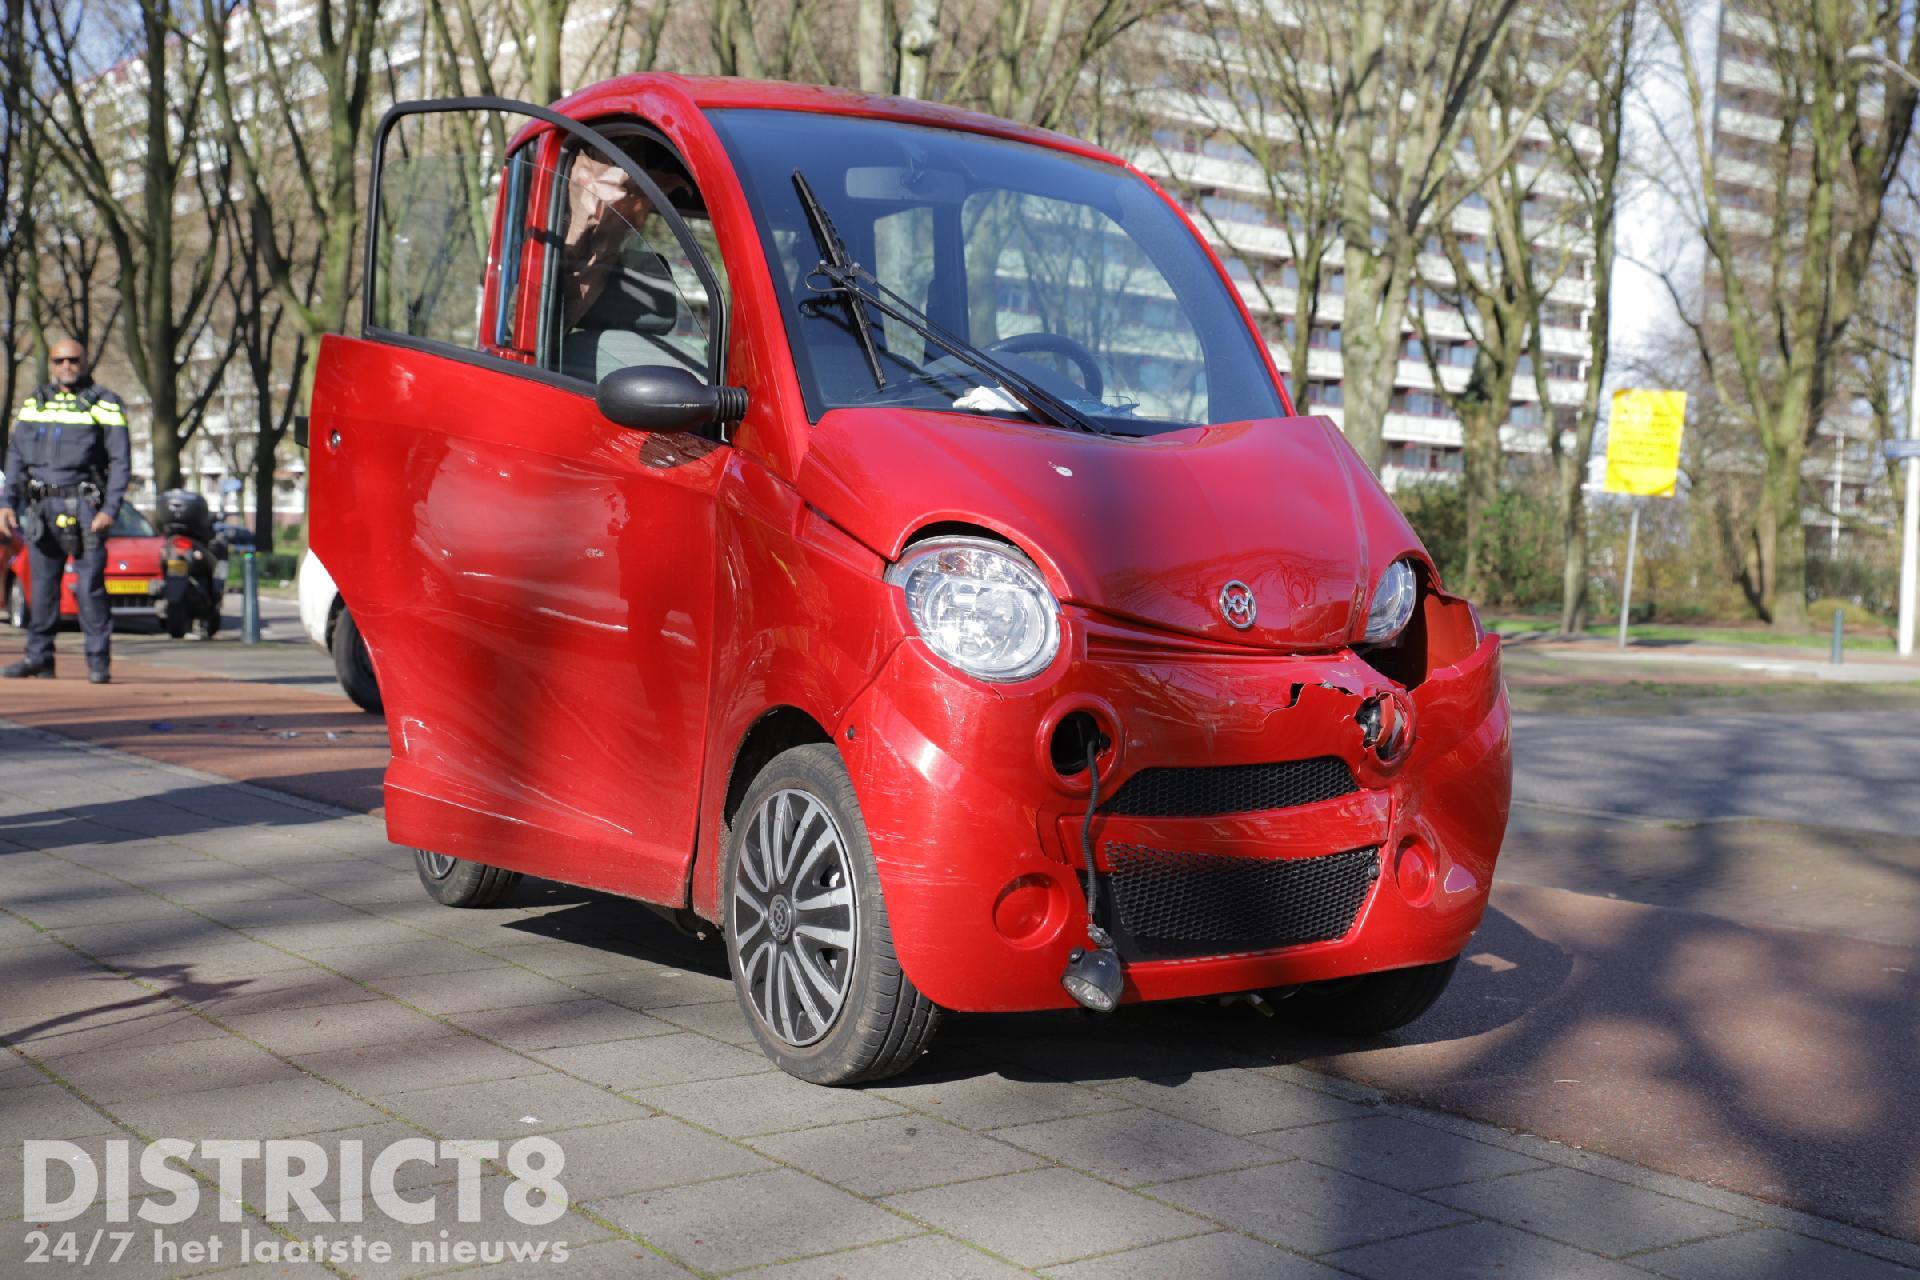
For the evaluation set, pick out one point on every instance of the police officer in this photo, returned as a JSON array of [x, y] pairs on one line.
[[68, 463]]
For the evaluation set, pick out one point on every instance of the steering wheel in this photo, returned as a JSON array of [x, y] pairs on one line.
[[1061, 345]]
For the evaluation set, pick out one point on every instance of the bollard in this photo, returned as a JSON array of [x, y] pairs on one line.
[[1839, 635], [250, 601]]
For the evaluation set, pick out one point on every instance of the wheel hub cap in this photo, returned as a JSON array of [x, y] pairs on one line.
[[795, 916]]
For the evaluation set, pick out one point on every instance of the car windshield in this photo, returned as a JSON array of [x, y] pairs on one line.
[[1070, 272], [129, 522]]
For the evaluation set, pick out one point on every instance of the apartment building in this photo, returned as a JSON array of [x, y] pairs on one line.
[[1194, 152]]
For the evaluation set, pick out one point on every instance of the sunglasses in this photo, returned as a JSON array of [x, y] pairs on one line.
[[64, 360]]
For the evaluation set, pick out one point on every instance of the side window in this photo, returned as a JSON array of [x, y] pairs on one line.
[[435, 274], [621, 291]]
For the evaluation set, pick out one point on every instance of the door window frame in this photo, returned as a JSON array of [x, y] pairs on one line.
[[609, 150]]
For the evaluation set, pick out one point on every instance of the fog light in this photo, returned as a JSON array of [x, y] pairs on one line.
[[1094, 978]]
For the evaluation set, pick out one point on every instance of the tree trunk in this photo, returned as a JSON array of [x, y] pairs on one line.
[[1784, 544], [1573, 586], [917, 33], [1480, 440], [549, 24]]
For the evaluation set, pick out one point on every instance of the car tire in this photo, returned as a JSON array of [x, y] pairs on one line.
[[1369, 1004], [820, 985], [354, 666], [456, 882], [16, 604]]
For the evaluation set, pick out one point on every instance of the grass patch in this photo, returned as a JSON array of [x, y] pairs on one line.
[[1652, 698], [1674, 633]]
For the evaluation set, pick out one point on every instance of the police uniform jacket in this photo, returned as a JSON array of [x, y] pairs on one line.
[[65, 436]]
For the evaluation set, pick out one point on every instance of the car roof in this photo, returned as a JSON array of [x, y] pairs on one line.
[[716, 92]]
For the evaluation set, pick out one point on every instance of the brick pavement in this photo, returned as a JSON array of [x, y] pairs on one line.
[[182, 955]]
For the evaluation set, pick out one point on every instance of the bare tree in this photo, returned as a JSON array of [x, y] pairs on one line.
[[1611, 67], [1787, 255], [141, 117], [1255, 80], [1493, 286], [1407, 76], [316, 92]]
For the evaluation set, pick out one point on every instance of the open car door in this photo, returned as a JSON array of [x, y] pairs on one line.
[[534, 583]]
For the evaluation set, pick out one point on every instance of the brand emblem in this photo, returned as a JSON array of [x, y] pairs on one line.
[[1237, 605]]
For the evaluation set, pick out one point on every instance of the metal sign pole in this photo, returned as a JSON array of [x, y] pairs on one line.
[[1626, 588]]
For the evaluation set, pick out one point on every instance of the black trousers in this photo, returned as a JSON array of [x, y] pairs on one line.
[[47, 564]]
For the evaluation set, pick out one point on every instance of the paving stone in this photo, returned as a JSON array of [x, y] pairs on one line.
[[116, 1077], [1222, 1255], [1235, 1101], [1400, 1153], [380, 1070], [306, 988], [278, 1110], [142, 1259], [652, 987], [556, 959], [96, 900], [1305, 1207], [512, 1108], [338, 1026], [1137, 1146], [752, 1220], [438, 1238], [236, 960], [769, 1103], [551, 1026], [665, 1059], [1046, 1216], [720, 1019], [150, 1022], [1749, 1254], [1474, 1250], [1588, 1211], [981, 1097], [45, 1111], [419, 954], [613, 1259], [608, 1160], [918, 1258], [502, 988], [897, 1153]]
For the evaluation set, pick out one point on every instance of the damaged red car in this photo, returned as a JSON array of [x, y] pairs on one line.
[[880, 531]]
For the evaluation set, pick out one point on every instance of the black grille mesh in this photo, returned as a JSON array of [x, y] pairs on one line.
[[1166, 903], [1212, 790]]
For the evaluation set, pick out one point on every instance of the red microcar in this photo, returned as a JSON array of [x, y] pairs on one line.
[[879, 530]]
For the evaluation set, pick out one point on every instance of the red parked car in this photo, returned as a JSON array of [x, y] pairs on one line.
[[134, 582], [847, 521]]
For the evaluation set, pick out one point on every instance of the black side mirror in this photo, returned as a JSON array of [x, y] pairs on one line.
[[650, 398]]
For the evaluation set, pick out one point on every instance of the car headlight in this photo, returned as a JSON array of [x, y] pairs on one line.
[[980, 606], [1393, 601]]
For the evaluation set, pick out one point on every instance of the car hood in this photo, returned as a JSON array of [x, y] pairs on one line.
[[1149, 530]]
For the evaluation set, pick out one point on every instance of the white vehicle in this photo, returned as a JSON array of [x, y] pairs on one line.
[[324, 616]]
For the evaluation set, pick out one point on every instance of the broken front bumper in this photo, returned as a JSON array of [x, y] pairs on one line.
[[1250, 833]]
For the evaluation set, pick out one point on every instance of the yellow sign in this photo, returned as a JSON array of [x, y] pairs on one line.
[[1643, 442]]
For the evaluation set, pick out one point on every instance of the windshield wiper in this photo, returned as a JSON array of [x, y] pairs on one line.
[[834, 256], [864, 292]]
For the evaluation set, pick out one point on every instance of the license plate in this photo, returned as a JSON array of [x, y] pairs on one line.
[[126, 586]]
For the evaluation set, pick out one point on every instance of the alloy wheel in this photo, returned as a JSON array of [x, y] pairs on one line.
[[795, 916], [439, 865]]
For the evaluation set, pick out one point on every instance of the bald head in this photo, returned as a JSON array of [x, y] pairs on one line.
[[69, 361]]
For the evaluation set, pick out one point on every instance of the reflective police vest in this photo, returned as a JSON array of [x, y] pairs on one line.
[[63, 437]]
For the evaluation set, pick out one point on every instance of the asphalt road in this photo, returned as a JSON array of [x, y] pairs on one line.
[[1848, 770]]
